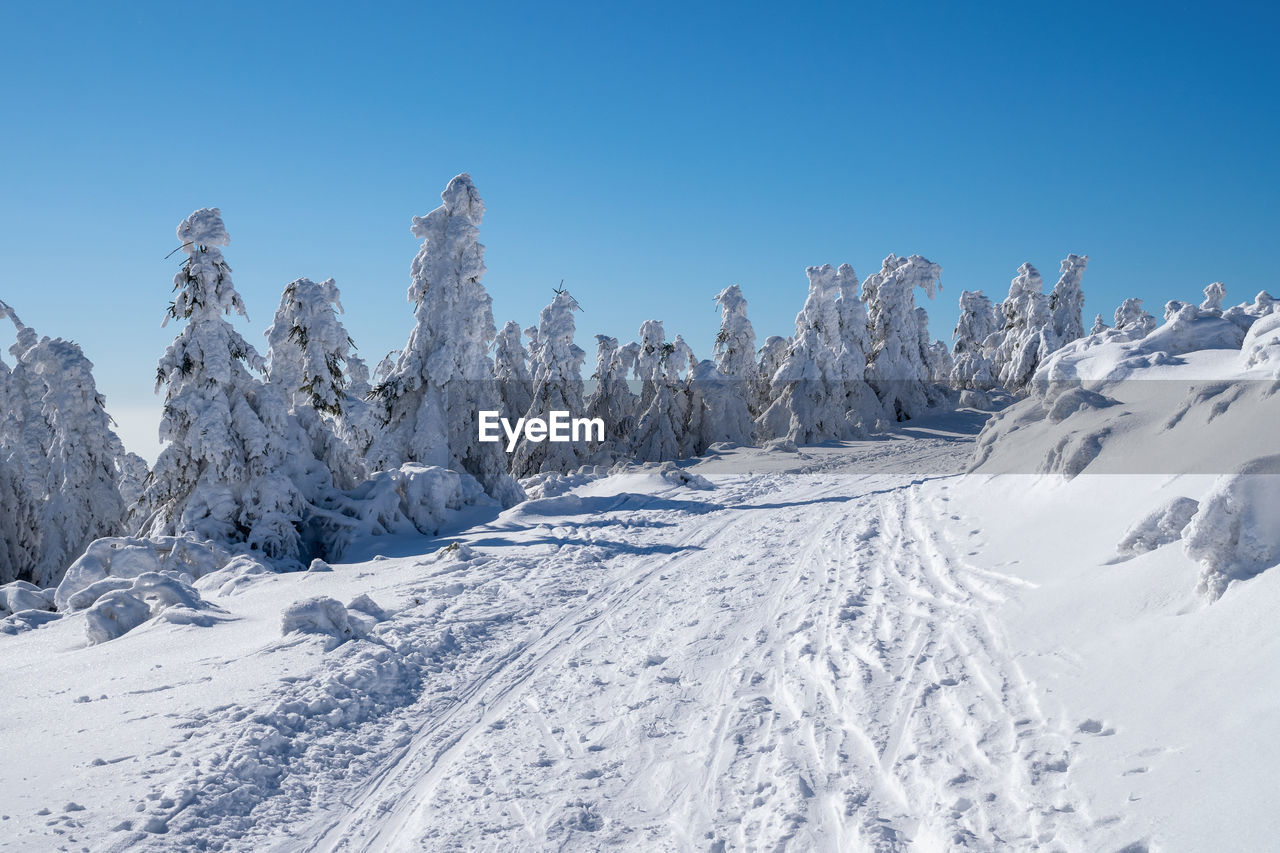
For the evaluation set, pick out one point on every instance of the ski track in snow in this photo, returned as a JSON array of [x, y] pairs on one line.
[[790, 661]]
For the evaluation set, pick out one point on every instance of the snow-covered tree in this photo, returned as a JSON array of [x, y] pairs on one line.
[[1066, 305], [1213, 295], [853, 349], [511, 371], [557, 374], [359, 422], [897, 369], [1026, 313], [224, 473], [735, 357], [308, 353], [611, 400], [63, 463], [811, 387], [1134, 320], [308, 347], [1099, 326], [772, 355], [444, 377], [979, 319], [735, 348], [660, 426], [717, 410]]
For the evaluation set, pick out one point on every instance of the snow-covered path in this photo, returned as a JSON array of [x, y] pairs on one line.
[[852, 648], [798, 658]]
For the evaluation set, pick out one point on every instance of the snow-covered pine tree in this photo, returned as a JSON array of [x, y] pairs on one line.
[[511, 371], [224, 473], [811, 387], [660, 427], [308, 347], [360, 420], [1213, 296], [717, 410], [735, 353], [84, 500], [1066, 305], [69, 495], [855, 344], [1132, 319], [897, 369], [979, 319], [1017, 351], [557, 376], [444, 377], [308, 351], [1099, 326], [611, 400], [771, 356]]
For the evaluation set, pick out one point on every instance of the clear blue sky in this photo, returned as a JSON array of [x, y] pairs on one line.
[[649, 155]]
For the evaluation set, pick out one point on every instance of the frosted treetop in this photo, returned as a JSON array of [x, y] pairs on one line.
[[203, 228]]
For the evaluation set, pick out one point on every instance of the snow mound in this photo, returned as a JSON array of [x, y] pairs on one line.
[[320, 615], [551, 484], [115, 612], [1261, 346], [1161, 527], [413, 498], [26, 620], [675, 475], [204, 228], [18, 596], [1236, 533], [114, 615], [124, 558]]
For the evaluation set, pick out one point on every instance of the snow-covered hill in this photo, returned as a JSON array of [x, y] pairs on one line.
[[851, 647]]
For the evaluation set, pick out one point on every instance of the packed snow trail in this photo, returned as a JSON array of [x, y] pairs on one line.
[[789, 661]]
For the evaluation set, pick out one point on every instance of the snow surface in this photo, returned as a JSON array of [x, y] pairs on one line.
[[849, 646]]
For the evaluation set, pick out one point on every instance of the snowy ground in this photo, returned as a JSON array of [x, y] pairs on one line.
[[855, 647]]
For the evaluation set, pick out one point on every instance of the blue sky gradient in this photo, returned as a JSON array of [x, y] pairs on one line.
[[648, 155]]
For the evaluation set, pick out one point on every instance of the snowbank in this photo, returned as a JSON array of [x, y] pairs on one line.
[[123, 558], [1195, 395], [1236, 533]]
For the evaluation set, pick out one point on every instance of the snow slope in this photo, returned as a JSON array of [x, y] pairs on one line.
[[847, 647]]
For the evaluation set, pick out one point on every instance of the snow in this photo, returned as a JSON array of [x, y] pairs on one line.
[[851, 646]]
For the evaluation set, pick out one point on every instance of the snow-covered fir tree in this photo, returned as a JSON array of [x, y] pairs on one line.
[[1134, 320], [897, 368], [1026, 313], [1213, 296], [557, 376], [63, 463], [979, 319], [811, 387], [772, 354], [307, 356], [660, 425], [224, 473], [1066, 304], [1099, 326], [735, 351], [717, 410], [359, 422], [611, 399], [511, 371], [308, 347], [444, 377], [853, 349]]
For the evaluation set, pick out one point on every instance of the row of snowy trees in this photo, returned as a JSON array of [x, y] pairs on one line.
[[294, 453]]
